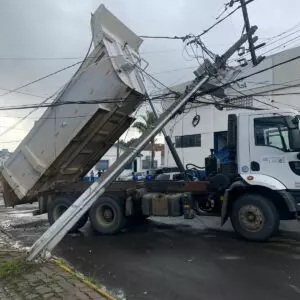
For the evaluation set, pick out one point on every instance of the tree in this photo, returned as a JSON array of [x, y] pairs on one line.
[[147, 123], [128, 143]]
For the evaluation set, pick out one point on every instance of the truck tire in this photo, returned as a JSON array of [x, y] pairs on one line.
[[58, 206], [107, 215], [254, 217]]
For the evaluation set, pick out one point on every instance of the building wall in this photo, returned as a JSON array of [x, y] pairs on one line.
[[285, 78], [146, 155], [111, 157]]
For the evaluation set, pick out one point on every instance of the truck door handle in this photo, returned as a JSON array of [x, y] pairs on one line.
[[254, 166]]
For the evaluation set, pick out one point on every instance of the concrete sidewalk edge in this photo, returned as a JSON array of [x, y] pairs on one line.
[[66, 267], [60, 263]]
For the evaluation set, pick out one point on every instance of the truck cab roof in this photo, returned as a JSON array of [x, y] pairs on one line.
[[269, 111]]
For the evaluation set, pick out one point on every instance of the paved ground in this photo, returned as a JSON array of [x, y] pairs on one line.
[[178, 260], [21, 280]]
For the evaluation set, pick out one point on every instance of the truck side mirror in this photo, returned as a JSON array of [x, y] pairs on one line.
[[295, 121], [294, 136], [292, 123]]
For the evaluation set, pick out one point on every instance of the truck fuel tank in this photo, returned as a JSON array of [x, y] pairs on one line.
[[159, 204]]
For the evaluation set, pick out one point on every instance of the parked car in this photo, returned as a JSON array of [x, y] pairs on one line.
[[169, 176], [173, 176], [138, 176]]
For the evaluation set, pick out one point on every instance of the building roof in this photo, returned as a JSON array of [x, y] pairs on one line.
[[157, 147], [124, 148]]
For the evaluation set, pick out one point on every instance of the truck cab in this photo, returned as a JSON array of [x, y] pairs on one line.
[[264, 170]]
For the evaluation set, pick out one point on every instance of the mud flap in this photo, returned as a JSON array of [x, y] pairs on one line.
[[224, 211]]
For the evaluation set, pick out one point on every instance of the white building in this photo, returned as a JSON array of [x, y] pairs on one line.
[[142, 163], [278, 86]]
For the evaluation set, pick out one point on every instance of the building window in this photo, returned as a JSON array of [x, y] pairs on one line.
[[186, 141], [103, 164], [271, 132], [240, 103], [146, 164], [128, 167]]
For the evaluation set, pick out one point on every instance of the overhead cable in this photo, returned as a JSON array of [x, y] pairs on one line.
[[40, 79], [222, 19], [45, 100]]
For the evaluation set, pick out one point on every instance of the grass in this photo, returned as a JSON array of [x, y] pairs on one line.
[[92, 280], [14, 268]]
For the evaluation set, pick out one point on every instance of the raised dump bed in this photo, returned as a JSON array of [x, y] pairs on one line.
[[68, 140]]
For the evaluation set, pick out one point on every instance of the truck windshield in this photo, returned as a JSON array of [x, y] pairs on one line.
[[278, 132]]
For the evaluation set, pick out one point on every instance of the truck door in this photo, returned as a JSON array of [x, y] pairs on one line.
[[221, 150], [270, 149]]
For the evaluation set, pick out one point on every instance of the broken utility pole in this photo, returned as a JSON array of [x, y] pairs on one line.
[[251, 40], [84, 202]]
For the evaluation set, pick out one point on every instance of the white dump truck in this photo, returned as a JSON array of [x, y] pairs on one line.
[[258, 188], [68, 140]]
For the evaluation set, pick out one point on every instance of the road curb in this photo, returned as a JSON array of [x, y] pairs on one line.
[[63, 265], [80, 277]]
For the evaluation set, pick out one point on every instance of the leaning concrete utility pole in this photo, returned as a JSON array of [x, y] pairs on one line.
[[169, 141], [63, 225], [251, 40]]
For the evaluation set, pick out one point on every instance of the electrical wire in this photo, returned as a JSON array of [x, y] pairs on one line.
[[174, 70], [95, 101], [245, 95], [81, 102], [280, 39], [205, 50], [44, 101], [78, 116], [183, 38], [250, 75], [209, 91], [152, 74], [23, 93], [272, 90], [281, 94], [222, 19], [41, 78], [155, 79], [23, 118], [284, 32], [282, 45], [225, 105], [77, 57]]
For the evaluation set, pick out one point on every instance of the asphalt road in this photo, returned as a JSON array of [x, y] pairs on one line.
[[174, 259]]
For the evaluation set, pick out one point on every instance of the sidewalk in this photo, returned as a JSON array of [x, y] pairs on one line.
[[22, 280]]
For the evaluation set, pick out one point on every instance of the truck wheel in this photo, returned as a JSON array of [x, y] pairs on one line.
[[254, 217], [58, 206], [107, 215]]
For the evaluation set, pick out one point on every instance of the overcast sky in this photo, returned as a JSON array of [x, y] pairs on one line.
[[61, 29]]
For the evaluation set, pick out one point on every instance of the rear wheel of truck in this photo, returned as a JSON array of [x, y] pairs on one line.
[[58, 206], [254, 217], [107, 215]]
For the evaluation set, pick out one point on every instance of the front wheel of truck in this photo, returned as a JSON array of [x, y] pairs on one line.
[[107, 215], [58, 206], [254, 217]]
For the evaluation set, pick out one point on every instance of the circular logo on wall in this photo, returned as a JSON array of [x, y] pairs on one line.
[[245, 169]]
